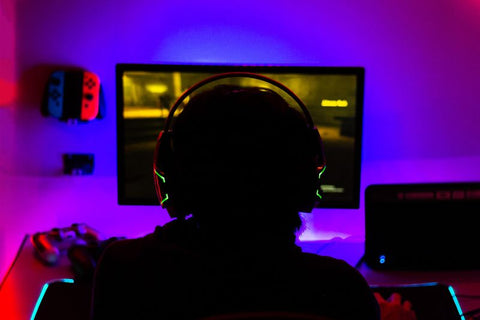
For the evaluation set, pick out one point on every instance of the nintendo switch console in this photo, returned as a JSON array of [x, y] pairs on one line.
[[73, 95]]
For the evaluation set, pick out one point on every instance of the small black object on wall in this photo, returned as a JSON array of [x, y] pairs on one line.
[[73, 95], [78, 164]]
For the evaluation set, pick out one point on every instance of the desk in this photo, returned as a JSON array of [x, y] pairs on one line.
[[466, 283], [24, 282]]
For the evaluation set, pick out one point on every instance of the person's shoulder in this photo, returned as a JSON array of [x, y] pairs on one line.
[[334, 267], [341, 280], [164, 240], [125, 249], [325, 261]]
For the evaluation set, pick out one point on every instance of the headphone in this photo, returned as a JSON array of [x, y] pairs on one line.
[[164, 157]]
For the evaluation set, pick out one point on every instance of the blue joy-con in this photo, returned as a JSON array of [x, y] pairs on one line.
[[56, 85]]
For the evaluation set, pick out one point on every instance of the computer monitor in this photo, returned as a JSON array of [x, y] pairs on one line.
[[333, 96]]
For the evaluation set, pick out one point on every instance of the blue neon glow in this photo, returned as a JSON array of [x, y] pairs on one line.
[[457, 304], [381, 259], [42, 294]]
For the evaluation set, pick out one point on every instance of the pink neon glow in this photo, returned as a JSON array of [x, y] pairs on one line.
[[8, 92], [7, 52], [10, 306]]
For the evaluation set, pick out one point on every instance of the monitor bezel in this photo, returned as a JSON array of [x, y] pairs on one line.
[[357, 71]]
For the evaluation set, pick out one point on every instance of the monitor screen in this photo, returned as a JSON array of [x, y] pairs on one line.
[[332, 95]]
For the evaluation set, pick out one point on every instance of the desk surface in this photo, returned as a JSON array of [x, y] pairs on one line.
[[466, 283], [24, 282]]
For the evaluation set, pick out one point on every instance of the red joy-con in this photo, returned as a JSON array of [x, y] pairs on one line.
[[45, 249], [90, 96]]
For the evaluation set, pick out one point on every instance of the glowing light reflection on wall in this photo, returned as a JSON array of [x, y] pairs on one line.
[[8, 92], [7, 53]]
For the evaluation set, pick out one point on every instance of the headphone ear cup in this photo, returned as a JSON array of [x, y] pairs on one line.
[[314, 193], [321, 165], [161, 164], [165, 178]]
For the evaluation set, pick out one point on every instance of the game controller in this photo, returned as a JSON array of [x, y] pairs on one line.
[[74, 95], [90, 96], [55, 93], [49, 246]]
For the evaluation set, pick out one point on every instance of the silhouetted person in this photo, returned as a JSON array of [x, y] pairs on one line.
[[240, 162]]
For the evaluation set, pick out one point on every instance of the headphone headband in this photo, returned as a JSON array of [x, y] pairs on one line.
[[239, 74]]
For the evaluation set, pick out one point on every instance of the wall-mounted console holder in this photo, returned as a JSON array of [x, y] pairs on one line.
[[78, 164], [73, 95]]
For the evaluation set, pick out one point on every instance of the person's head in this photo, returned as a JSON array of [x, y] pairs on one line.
[[242, 156]]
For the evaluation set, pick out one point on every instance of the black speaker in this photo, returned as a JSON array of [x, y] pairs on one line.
[[426, 226]]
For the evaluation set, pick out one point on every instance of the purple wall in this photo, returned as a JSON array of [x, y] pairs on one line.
[[421, 96]]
